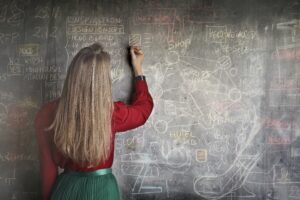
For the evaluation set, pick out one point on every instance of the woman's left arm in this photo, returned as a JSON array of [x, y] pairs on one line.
[[48, 168]]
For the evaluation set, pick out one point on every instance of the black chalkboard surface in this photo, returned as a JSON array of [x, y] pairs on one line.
[[224, 76]]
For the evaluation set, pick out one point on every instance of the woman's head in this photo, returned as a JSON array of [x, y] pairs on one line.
[[82, 125]]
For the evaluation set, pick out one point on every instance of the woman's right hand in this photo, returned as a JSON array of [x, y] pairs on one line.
[[137, 57]]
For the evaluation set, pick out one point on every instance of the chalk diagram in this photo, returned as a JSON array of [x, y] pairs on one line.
[[206, 121], [16, 118], [207, 117], [216, 109]]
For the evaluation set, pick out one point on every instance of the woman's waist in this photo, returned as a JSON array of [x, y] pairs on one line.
[[97, 172], [69, 164], [73, 166]]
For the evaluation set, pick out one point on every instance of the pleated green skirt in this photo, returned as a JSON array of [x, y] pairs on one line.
[[97, 185]]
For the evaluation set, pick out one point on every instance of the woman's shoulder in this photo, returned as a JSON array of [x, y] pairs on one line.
[[47, 109], [49, 105]]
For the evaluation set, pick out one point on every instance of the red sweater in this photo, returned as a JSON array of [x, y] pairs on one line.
[[125, 117]]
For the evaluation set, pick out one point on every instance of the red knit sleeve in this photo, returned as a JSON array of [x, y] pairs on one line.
[[48, 169], [126, 117]]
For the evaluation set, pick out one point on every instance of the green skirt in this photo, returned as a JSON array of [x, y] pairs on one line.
[[97, 185]]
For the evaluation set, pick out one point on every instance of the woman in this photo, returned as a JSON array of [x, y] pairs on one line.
[[76, 131]]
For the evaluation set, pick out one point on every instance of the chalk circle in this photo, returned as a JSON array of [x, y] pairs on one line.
[[161, 126], [172, 57], [235, 95], [233, 72], [177, 158], [209, 187]]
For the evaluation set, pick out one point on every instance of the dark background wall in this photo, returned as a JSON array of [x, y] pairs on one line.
[[224, 76]]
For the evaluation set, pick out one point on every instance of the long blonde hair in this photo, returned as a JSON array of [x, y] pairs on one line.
[[82, 124]]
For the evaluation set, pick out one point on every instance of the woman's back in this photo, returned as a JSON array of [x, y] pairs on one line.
[[55, 146]]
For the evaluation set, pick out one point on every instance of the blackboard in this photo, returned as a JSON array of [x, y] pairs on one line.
[[224, 76]]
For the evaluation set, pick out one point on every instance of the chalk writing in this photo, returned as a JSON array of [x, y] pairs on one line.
[[17, 14], [117, 73], [221, 76], [86, 43], [9, 181], [164, 16], [14, 67], [93, 20], [283, 84], [44, 12], [287, 54], [9, 38], [6, 96], [82, 38], [45, 69], [290, 99], [33, 60], [201, 155], [44, 32], [12, 157], [28, 49], [147, 40], [276, 124], [180, 44], [181, 134], [82, 31], [294, 191], [53, 90], [43, 76], [17, 117], [221, 34], [95, 29], [239, 49], [279, 140]]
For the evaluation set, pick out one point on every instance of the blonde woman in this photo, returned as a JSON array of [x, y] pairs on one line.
[[76, 131]]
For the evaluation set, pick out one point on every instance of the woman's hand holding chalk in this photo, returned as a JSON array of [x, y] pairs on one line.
[[137, 57]]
